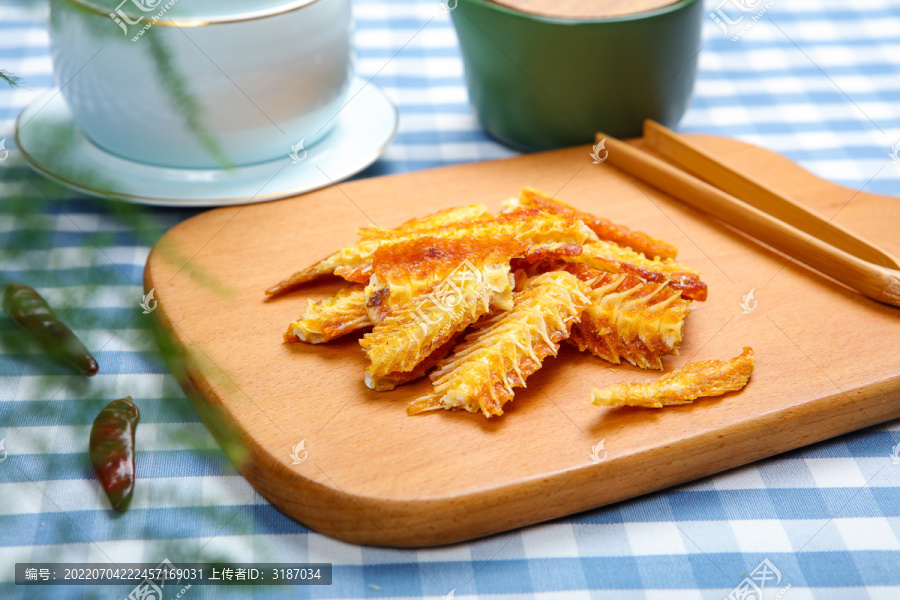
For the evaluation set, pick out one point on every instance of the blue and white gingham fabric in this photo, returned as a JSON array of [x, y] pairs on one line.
[[818, 81]]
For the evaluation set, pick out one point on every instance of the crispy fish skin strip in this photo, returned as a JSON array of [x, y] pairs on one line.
[[345, 261], [552, 251], [609, 257], [704, 378], [532, 226], [392, 380], [475, 212], [628, 318], [604, 228], [341, 259], [535, 226], [481, 373], [328, 319], [413, 332], [407, 269]]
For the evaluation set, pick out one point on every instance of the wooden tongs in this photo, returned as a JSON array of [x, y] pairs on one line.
[[704, 183]]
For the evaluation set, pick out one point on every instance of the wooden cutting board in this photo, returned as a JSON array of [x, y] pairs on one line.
[[827, 359]]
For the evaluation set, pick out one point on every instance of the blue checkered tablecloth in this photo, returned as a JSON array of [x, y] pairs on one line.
[[817, 80]]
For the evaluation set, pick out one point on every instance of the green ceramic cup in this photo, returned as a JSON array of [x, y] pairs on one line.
[[539, 82]]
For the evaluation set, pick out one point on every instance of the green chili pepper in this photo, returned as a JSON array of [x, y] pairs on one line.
[[111, 450], [26, 307]]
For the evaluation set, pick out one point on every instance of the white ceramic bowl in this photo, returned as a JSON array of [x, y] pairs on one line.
[[202, 83]]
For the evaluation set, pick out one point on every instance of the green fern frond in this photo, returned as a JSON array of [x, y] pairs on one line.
[[12, 80]]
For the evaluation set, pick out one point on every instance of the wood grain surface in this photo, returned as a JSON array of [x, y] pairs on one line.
[[585, 9], [827, 360]]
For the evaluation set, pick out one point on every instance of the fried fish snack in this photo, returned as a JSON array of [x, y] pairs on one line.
[[609, 257], [533, 226], [503, 351], [694, 380], [411, 333], [331, 318], [408, 269], [604, 228]]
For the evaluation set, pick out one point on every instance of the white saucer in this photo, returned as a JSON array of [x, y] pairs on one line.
[[55, 146]]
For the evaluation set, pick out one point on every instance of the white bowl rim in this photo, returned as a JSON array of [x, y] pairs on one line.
[[201, 21]]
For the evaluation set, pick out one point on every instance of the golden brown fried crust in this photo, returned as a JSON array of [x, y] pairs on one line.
[[628, 317], [593, 277], [611, 258], [529, 226], [413, 331], [504, 350], [475, 212], [349, 258], [432, 259], [410, 268], [377, 303], [392, 380], [532, 226], [345, 263], [694, 380], [328, 319], [547, 252], [300, 277], [604, 228]]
